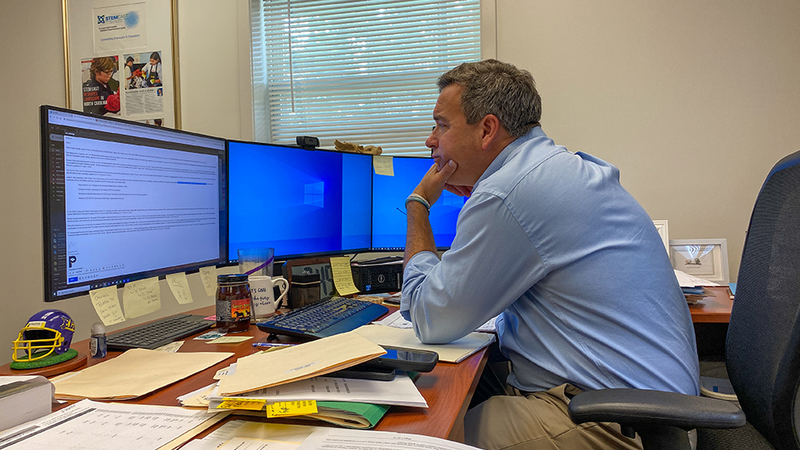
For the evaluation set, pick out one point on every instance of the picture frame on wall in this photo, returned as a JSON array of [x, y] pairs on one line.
[[662, 226], [703, 258], [120, 59]]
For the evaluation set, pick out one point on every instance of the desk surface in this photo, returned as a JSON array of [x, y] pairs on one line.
[[448, 389], [715, 307]]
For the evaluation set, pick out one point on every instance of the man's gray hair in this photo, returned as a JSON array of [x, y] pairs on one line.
[[498, 88]]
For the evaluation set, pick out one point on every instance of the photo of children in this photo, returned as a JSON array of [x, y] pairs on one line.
[[143, 70], [152, 70], [144, 88], [100, 87], [128, 71]]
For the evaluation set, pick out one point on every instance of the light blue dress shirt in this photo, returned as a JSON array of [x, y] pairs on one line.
[[575, 268]]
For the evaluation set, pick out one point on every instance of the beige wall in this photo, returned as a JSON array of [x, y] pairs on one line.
[[694, 101], [32, 51]]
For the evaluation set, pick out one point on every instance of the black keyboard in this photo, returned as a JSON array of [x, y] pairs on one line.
[[324, 318], [161, 332]]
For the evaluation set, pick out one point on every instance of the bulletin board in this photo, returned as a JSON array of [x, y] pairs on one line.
[[119, 59]]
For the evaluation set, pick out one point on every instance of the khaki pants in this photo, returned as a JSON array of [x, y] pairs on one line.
[[538, 420]]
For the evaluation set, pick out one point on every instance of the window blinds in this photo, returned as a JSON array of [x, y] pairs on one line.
[[359, 71]]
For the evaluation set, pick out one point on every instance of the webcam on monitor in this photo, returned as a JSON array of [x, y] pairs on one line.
[[307, 142]]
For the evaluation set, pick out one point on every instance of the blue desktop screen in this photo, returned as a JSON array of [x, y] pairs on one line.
[[389, 194], [299, 202]]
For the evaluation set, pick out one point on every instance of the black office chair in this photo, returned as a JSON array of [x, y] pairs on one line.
[[762, 346]]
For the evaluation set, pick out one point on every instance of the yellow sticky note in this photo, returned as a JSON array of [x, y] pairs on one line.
[[296, 408], [141, 297], [343, 275], [237, 403], [383, 165], [179, 286], [209, 277], [106, 304]]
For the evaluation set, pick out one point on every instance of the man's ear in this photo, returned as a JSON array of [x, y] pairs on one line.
[[491, 131]]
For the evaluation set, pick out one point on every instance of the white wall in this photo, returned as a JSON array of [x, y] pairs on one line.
[[694, 101], [215, 67]]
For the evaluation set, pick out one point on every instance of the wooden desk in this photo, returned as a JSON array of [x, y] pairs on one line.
[[448, 389], [713, 308]]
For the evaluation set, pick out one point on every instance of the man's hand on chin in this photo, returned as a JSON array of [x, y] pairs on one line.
[[434, 182]]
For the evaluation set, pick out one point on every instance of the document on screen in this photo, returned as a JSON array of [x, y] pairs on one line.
[[125, 203]]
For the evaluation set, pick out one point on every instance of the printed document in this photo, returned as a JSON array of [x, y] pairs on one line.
[[455, 351], [256, 444], [90, 425], [687, 280], [396, 320], [269, 436], [278, 436], [344, 439], [400, 391]]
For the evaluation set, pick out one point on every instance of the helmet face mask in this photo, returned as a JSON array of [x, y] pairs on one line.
[[47, 332]]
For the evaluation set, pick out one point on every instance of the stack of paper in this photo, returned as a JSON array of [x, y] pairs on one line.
[[246, 435], [693, 287], [93, 425], [350, 415], [396, 320], [345, 414], [401, 391], [384, 440], [262, 370], [455, 351], [290, 382], [29, 397]]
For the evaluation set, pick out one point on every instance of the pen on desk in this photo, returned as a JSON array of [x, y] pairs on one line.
[[271, 344]]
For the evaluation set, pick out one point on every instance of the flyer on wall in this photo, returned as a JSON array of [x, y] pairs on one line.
[[136, 91], [119, 59], [119, 27]]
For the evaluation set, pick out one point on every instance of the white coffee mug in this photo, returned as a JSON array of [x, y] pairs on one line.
[[263, 295]]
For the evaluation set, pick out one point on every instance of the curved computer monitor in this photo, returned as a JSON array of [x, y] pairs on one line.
[[389, 194], [299, 202], [125, 201]]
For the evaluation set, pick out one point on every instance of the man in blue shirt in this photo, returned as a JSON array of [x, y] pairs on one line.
[[551, 242]]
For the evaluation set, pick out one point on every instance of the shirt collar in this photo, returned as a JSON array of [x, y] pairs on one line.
[[510, 150]]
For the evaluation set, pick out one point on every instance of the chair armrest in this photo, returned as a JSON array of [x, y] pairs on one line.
[[639, 407]]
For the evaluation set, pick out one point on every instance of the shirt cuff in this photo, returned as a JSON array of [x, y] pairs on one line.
[[415, 272]]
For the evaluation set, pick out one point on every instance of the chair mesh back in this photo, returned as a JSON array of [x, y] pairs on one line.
[[762, 348]]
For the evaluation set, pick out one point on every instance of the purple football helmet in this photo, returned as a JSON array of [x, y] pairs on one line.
[[47, 332]]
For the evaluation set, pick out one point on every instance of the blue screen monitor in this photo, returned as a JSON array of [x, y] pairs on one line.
[[299, 202], [124, 201], [389, 194]]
